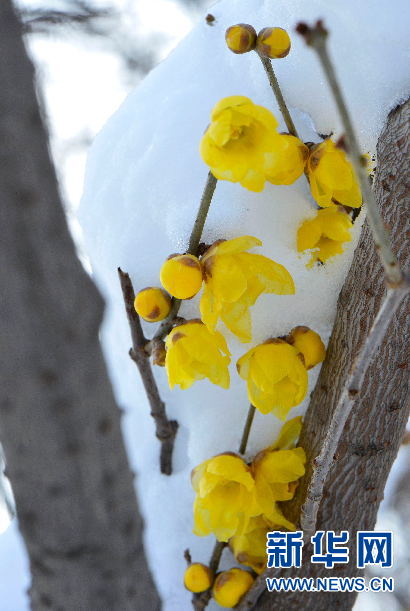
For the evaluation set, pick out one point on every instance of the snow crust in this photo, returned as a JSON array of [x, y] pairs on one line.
[[143, 185]]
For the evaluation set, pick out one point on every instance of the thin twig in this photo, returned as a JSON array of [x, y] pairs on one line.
[[165, 429], [316, 37], [194, 241], [398, 286], [200, 601], [273, 81], [247, 429]]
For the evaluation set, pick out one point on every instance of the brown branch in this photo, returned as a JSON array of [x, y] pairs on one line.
[[59, 422], [165, 429], [374, 429]]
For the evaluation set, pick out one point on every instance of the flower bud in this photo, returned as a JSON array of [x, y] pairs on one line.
[[197, 578], [158, 352], [181, 276], [240, 38], [273, 43], [230, 586], [309, 343], [152, 304]]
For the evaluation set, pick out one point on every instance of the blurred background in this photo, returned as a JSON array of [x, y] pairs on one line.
[[89, 54]]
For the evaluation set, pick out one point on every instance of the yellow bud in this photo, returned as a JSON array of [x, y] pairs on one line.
[[152, 304], [273, 43], [230, 586], [240, 38], [181, 276], [198, 577], [309, 343]]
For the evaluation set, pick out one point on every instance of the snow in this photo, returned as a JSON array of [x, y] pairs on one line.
[[143, 184]]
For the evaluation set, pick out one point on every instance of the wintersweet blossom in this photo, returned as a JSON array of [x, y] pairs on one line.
[[193, 353], [325, 233], [234, 499], [331, 176], [274, 477], [309, 343], [234, 279], [225, 496], [249, 548], [287, 161], [276, 473], [276, 377], [273, 42], [152, 304], [198, 577], [230, 586], [181, 276], [240, 144]]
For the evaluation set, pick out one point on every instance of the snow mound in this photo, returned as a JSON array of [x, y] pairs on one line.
[[143, 185]]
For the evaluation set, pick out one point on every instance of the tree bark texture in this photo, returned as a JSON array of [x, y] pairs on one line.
[[373, 433], [59, 423]]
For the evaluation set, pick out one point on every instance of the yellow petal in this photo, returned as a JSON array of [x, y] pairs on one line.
[[308, 234], [237, 318], [233, 246], [207, 307], [272, 275], [228, 280], [231, 468], [289, 434], [281, 466]]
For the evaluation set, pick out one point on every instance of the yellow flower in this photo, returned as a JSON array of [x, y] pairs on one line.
[[152, 304], [273, 43], [276, 377], [288, 160], [326, 233], [249, 548], [331, 176], [230, 586], [193, 353], [225, 496], [309, 343], [198, 577], [236, 501], [234, 279], [181, 276], [237, 144], [276, 473]]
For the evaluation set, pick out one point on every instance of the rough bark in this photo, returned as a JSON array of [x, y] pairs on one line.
[[59, 422], [373, 432]]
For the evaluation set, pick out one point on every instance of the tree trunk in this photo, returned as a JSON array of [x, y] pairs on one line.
[[374, 430], [59, 422]]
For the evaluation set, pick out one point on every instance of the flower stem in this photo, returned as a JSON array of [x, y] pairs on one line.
[[194, 241], [273, 82], [200, 601], [203, 210], [247, 429], [316, 37]]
